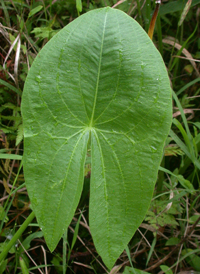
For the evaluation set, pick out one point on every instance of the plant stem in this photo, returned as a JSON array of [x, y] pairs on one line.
[[139, 12], [13, 196], [16, 236], [153, 21], [65, 251], [159, 32]]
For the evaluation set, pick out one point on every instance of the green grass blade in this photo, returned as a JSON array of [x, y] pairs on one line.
[[151, 250], [76, 232], [2, 82], [16, 236], [65, 251], [193, 82], [10, 156], [181, 49]]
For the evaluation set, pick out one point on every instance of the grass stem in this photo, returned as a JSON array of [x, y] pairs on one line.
[[16, 236]]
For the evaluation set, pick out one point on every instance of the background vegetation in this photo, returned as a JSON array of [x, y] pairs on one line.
[[168, 240]]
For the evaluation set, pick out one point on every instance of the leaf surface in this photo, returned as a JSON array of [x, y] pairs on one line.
[[99, 82]]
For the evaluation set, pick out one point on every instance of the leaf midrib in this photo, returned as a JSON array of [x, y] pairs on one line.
[[105, 190], [98, 75]]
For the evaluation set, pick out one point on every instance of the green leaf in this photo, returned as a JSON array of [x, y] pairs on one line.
[[194, 218], [10, 156], [34, 11], [185, 183], [2, 82], [44, 32], [175, 6], [3, 216], [20, 134], [99, 83], [172, 241], [192, 259], [27, 242], [129, 255], [75, 232], [130, 270], [151, 250], [23, 266], [166, 269], [79, 5], [3, 265]]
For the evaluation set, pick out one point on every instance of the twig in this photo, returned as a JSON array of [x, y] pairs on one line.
[[45, 259], [174, 249], [30, 257], [89, 250], [181, 247]]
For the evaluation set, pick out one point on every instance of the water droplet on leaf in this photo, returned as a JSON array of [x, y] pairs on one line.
[[153, 149], [38, 78]]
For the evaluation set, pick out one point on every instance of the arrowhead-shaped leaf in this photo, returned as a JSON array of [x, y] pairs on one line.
[[100, 80]]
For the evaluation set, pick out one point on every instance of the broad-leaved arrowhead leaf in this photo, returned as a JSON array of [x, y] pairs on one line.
[[99, 83]]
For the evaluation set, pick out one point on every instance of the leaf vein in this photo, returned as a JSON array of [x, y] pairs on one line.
[[115, 93], [121, 174], [98, 74], [105, 189]]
